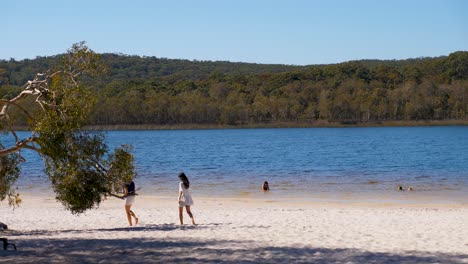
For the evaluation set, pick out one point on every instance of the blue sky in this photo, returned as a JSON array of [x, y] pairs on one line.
[[261, 31]]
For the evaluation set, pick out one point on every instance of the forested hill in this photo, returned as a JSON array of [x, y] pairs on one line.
[[124, 67], [158, 91]]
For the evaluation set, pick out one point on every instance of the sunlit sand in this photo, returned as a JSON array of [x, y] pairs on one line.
[[237, 230]]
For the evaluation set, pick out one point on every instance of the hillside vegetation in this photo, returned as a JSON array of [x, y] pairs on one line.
[[158, 91]]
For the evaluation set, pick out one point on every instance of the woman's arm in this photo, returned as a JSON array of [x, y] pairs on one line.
[[180, 196], [121, 196]]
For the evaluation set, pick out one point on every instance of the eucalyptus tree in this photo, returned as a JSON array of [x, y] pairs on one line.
[[81, 168]]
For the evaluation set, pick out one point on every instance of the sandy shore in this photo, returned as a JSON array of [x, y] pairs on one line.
[[237, 230]]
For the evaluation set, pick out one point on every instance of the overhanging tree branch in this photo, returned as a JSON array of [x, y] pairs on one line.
[[20, 145], [77, 162]]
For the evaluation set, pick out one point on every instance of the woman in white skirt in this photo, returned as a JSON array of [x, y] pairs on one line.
[[185, 199], [129, 196]]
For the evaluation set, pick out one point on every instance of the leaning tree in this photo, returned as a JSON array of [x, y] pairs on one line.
[[55, 106]]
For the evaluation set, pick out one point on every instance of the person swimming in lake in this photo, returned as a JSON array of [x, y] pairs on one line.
[[265, 186], [129, 196], [185, 198], [400, 188]]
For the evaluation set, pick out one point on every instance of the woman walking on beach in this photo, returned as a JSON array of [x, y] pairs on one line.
[[129, 196], [185, 199]]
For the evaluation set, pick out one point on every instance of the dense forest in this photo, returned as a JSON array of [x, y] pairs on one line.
[[158, 91]]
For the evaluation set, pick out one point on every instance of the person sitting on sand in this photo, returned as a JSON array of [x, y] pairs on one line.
[[185, 199], [265, 186], [129, 196]]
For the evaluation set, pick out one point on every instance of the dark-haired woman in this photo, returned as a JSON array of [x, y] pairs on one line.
[[185, 199], [129, 196]]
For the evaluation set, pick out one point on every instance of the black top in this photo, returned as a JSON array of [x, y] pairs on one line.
[[131, 188]]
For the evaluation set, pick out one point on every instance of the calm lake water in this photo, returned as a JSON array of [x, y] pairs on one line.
[[309, 163]]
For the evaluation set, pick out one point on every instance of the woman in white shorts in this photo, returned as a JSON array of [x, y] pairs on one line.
[[185, 199], [129, 196]]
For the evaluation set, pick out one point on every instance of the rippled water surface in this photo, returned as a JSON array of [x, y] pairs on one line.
[[336, 163]]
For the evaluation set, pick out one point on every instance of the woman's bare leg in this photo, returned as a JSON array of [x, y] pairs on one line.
[[181, 215], [187, 208], [129, 213], [134, 216]]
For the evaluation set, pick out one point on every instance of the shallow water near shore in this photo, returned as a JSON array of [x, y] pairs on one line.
[[307, 163]]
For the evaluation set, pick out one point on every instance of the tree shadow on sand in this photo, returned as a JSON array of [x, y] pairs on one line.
[[188, 250], [145, 228]]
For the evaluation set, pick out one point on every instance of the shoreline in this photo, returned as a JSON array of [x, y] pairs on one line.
[[292, 124], [364, 195], [314, 124]]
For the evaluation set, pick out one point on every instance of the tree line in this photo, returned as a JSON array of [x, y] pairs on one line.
[[157, 91]]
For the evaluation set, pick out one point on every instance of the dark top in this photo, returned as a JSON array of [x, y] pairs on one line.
[[130, 188]]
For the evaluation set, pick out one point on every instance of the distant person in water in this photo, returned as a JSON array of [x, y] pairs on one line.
[[265, 186], [129, 196], [400, 188], [184, 199]]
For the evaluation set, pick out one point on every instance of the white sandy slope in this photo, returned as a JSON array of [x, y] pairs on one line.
[[237, 231]]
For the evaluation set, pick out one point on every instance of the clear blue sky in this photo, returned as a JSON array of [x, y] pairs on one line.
[[262, 31]]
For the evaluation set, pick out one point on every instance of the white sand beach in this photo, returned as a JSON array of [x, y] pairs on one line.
[[237, 230]]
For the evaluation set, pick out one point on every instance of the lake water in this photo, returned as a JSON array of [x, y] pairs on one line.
[[306, 163]]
